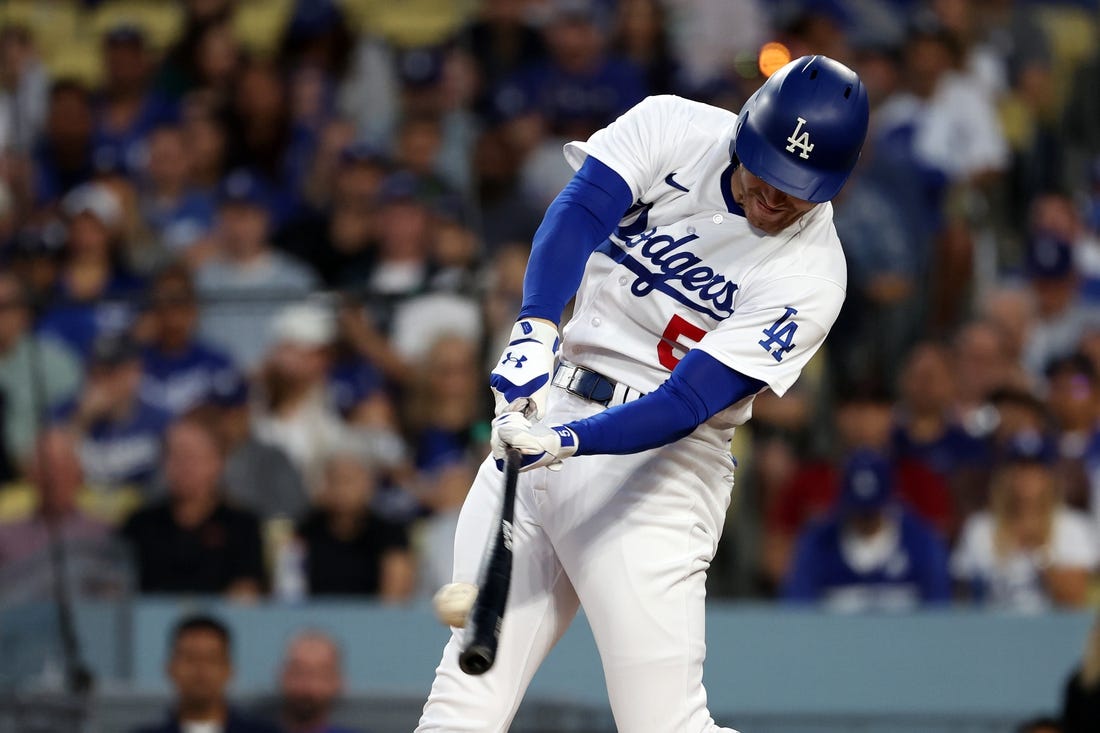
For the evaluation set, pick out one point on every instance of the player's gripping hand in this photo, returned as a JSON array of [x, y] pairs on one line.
[[539, 444], [524, 370]]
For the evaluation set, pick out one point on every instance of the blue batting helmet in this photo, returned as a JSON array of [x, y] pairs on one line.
[[803, 129]]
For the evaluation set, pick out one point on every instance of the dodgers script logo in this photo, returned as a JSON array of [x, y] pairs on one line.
[[680, 273], [800, 139]]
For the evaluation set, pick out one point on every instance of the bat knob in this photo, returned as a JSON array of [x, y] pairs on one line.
[[476, 660]]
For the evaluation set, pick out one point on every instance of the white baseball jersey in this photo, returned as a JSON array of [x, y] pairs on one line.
[[684, 271], [631, 536]]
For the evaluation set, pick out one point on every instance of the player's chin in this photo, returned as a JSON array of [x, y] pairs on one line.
[[769, 219], [768, 223]]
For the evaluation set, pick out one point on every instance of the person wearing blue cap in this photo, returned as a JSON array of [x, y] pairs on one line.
[[1061, 317], [1028, 551], [120, 431], [872, 553]]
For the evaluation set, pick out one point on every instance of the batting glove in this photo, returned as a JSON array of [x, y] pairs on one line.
[[522, 374], [539, 444]]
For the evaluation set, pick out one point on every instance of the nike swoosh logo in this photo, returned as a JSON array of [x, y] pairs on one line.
[[674, 184]]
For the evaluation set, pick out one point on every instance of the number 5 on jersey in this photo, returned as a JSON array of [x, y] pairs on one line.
[[671, 342]]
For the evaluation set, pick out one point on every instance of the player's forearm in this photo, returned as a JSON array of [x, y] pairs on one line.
[[581, 217], [699, 388]]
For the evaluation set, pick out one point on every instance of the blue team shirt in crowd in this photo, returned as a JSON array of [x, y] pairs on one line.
[[79, 324], [350, 381], [200, 374], [596, 98], [178, 226], [123, 453], [915, 572], [51, 181], [125, 149], [954, 449]]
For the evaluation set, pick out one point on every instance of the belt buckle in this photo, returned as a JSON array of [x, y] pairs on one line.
[[575, 382], [592, 386]]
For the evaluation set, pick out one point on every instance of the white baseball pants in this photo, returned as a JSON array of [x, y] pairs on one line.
[[628, 537]]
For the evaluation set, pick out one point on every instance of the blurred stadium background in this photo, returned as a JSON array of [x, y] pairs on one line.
[[258, 254]]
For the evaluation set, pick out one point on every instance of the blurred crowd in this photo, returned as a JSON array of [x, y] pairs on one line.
[[256, 257]]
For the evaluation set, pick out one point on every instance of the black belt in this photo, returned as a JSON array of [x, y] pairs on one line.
[[593, 386]]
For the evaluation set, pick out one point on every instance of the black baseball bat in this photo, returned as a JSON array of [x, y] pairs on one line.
[[487, 616]]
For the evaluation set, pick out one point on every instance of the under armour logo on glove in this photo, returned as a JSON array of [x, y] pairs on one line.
[[521, 379]]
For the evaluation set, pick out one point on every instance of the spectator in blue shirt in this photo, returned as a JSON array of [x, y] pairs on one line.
[[94, 292], [200, 668], [311, 683], [121, 433], [128, 110], [581, 87], [871, 553], [182, 372], [174, 210]]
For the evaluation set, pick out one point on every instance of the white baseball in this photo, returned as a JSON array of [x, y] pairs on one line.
[[453, 602]]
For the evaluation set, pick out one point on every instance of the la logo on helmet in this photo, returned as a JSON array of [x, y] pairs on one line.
[[800, 139]]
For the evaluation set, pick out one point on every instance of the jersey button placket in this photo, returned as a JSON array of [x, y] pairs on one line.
[[596, 322]]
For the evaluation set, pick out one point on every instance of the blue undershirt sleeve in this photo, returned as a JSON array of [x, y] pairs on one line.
[[700, 387], [581, 217]]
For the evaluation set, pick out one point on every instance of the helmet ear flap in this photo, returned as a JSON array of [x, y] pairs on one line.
[[802, 131]]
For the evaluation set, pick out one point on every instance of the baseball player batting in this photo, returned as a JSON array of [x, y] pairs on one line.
[[701, 250]]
